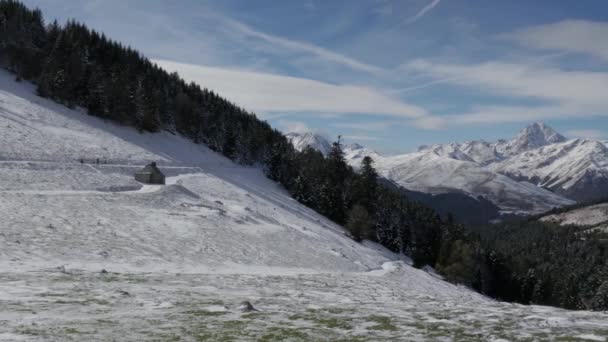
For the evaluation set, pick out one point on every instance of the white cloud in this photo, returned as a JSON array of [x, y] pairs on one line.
[[359, 137], [431, 123], [585, 133], [564, 94], [275, 93], [579, 36], [364, 126], [424, 11], [523, 80], [294, 126], [511, 114]]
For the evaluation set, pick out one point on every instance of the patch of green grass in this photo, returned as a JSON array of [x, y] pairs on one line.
[[321, 318], [72, 331], [336, 310], [282, 334], [333, 323], [252, 315], [234, 325], [296, 317], [50, 294], [30, 331], [353, 339], [204, 313], [217, 337], [383, 323]]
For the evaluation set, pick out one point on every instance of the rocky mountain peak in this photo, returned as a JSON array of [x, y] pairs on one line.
[[536, 135], [309, 139]]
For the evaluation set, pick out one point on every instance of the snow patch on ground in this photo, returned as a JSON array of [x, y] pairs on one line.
[[595, 216]]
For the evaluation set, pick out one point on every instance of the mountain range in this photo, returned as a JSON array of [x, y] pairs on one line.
[[536, 171]]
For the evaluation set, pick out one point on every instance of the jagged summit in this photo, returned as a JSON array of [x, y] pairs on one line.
[[536, 135], [354, 146], [309, 139]]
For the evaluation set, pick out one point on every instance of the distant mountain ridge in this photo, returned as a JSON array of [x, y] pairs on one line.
[[537, 170]]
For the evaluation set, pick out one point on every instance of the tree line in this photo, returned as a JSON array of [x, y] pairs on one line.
[[79, 67]]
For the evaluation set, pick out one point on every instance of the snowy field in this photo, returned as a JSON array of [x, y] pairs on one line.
[[87, 254], [594, 217]]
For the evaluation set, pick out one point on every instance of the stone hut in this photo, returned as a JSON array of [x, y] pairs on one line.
[[150, 175]]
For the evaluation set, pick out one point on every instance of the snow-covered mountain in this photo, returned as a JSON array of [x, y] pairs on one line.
[[577, 169], [447, 169], [534, 136], [314, 140], [537, 170]]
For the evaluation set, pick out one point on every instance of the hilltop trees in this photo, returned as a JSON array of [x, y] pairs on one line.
[[79, 67]]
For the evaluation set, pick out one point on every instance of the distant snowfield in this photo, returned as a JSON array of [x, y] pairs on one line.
[[87, 254], [595, 217]]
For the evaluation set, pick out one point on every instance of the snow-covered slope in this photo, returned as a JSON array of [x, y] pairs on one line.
[[354, 154], [593, 216], [316, 141], [445, 169], [87, 254], [241, 213], [577, 168]]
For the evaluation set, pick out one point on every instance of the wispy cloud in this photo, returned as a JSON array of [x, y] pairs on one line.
[[578, 36], [364, 126], [423, 85], [294, 126], [523, 80], [561, 94], [264, 92], [320, 52], [360, 137], [424, 11]]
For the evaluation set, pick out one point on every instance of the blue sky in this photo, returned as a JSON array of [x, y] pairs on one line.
[[389, 74]]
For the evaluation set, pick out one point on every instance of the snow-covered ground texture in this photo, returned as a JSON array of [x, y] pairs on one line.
[[87, 254], [594, 216]]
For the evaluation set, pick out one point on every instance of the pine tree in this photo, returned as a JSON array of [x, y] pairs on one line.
[[359, 223], [366, 185]]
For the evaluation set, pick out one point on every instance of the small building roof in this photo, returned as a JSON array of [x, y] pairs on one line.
[[151, 168]]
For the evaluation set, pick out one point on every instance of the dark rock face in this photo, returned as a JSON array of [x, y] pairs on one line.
[[246, 307], [593, 186]]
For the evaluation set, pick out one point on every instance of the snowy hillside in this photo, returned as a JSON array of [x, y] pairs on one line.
[[577, 168], [87, 254], [444, 170], [313, 140], [594, 216]]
